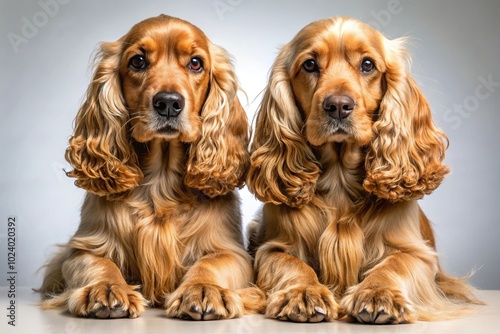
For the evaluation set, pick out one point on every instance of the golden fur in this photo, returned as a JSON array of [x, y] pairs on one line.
[[341, 232], [160, 222]]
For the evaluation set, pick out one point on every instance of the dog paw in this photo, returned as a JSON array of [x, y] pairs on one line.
[[107, 301], [377, 306], [204, 302], [302, 304]]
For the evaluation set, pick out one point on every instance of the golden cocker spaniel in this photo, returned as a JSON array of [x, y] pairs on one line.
[[344, 147], [160, 143]]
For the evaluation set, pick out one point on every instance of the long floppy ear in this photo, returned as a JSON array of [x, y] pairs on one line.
[[100, 150], [405, 158], [219, 159], [283, 168]]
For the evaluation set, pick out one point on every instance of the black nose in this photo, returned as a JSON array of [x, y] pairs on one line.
[[168, 104], [338, 106]]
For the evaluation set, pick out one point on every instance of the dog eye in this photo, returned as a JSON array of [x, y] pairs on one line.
[[367, 66], [310, 66], [138, 62], [196, 64]]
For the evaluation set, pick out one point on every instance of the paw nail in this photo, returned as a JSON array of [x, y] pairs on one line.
[[364, 317], [194, 309], [383, 318], [320, 310], [117, 313], [103, 313], [185, 316]]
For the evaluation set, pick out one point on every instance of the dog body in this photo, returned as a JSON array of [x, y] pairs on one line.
[[160, 144], [344, 147]]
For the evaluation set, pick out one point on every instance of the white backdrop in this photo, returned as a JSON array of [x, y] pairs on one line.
[[46, 48]]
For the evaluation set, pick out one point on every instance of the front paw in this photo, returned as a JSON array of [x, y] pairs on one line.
[[105, 300], [377, 305], [302, 304], [204, 302]]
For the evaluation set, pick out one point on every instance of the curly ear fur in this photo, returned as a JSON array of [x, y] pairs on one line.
[[283, 168], [405, 158], [218, 161], [100, 150]]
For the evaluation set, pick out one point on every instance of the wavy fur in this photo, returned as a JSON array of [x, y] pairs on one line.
[[219, 161], [344, 145], [405, 159], [100, 152], [282, 166], [160, 224]]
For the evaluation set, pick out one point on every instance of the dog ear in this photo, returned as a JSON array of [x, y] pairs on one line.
[[283, 168], [405, 158], [218, 161], [100, 150]]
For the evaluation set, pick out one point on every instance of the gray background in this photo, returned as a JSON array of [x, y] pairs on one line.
[[455, 47]]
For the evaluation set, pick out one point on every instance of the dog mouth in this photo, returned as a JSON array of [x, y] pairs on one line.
[[167, 129], [152, 126], [337, 129], [334, 127], [322, 131], [165, 125], [155, 129]]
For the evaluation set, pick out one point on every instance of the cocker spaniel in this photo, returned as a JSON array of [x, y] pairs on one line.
[[344, 147], [160, 143]]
